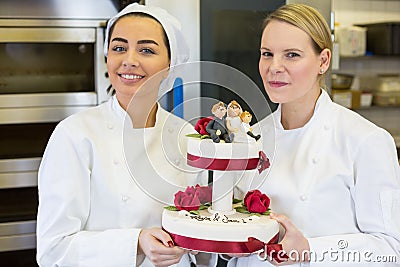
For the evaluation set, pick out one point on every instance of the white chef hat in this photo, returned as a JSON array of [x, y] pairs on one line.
[[177, 43]]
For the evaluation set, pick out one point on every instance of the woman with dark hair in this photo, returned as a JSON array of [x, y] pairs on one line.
[[95, 206]]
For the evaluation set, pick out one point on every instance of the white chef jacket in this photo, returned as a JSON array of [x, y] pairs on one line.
[[338, 180], [93, 199]]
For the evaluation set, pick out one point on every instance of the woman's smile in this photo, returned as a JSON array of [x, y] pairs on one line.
[[128, 78]]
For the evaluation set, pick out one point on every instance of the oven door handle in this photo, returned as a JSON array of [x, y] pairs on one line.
[[19, 172], [17, 235], [18, 179], [48, 35], [37, 114]]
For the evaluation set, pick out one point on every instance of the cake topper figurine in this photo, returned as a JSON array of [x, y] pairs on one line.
[[217, 126], [233, 122], [239, 128], [246, 116]]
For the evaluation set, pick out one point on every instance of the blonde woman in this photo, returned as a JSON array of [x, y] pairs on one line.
[[334, 180]]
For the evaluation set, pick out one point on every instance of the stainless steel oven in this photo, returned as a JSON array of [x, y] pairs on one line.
[[49, 69], [53, 64]]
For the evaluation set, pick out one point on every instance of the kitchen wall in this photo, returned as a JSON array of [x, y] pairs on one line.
[[351, 12], [348, 12]]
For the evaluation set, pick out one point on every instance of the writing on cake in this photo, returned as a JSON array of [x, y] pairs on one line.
[[219, 218]]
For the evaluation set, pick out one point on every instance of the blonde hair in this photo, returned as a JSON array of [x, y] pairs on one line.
[[310, 21], [244, 114], [234, 103], [216, 106]]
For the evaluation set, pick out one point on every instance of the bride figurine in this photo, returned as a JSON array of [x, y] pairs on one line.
[[235, 124]]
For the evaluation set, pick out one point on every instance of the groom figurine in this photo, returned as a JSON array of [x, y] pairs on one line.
[[217, 127]]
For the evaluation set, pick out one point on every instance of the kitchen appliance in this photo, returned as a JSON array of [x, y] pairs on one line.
[[52, 65], [383, 38], [49, 69]]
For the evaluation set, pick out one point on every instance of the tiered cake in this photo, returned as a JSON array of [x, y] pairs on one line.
[[221, 228]]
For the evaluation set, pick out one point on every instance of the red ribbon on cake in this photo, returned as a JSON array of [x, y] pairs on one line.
[[276, 252], [272, 248], [263, 162], [260, 163]]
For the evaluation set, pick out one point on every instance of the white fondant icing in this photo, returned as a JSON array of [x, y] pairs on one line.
[[208, 149], [235, 228], [221, 222], [229, 212], [183, 213], [222, 190]]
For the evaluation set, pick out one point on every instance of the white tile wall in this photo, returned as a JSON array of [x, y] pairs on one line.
[[349, 12]]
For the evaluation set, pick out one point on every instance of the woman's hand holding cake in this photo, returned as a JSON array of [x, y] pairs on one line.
[[159, 248]]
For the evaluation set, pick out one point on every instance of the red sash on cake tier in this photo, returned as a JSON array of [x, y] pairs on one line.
[[229, 247], [216, 164], [222, 164]]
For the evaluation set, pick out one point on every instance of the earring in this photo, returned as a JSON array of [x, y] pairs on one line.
[[321, 71]]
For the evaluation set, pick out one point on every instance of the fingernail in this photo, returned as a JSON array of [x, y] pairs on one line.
[[170, 244]]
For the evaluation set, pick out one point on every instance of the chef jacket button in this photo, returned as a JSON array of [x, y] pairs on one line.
[[115, 161], [124, 198], [303, 197], [315, 160], [326, 127], [110, 126]]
